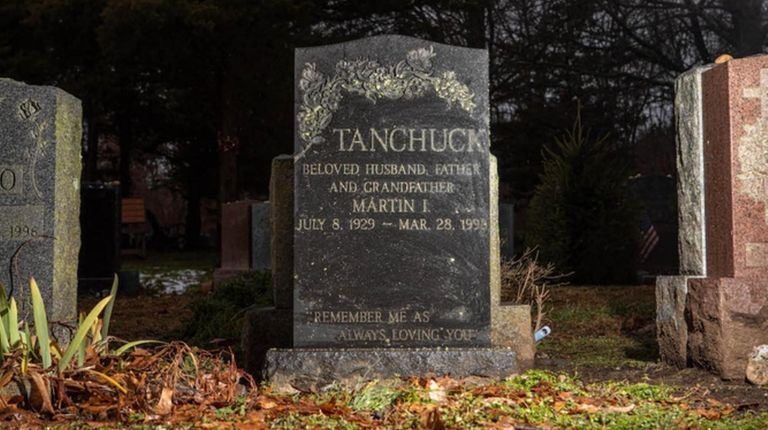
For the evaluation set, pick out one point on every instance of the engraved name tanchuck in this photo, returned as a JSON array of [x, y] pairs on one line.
[[411, 139]]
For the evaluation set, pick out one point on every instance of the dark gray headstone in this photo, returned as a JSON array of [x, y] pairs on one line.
[[260, 236], [391, 226], [40, 132]]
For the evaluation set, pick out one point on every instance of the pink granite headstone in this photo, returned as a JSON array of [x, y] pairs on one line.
[[729, 308]]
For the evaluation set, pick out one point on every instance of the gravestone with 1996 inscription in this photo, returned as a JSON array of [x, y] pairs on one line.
[[40, 132]]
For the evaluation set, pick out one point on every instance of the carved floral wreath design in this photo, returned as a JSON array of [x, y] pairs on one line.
[[409, 78]]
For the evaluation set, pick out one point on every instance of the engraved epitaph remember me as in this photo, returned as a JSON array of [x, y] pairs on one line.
[[392, 201]]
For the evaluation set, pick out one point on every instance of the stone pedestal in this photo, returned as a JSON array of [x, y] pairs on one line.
[[671, 326], [315, 369], [731, 318]]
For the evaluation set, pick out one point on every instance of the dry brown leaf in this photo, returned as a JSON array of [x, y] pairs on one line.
[[436, 392], [708, 413], [620, 409], [433, 420], [558, 406], [40, 394], [585, 407], [165, 404], [266, 403]]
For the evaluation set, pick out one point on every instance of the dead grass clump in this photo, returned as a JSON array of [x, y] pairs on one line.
[[524, 281], [151, 384]]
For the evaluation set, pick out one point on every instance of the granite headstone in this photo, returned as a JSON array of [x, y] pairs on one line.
[[391, 226], [40, 133], [728, 307], [672, 291]]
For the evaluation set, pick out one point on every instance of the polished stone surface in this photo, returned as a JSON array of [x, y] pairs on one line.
[[392, 201], [735, 100], [40, 136]]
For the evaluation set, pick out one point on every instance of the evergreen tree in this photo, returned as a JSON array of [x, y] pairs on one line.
[[582, 216]]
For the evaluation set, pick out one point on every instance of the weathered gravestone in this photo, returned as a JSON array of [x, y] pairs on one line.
[[672, 291], [40, 131], [725, 305], [395, 216]]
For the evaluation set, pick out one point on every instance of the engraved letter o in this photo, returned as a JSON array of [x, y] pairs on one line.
[[7, 179]]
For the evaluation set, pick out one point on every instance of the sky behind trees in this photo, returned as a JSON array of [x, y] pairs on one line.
[[207, 85]]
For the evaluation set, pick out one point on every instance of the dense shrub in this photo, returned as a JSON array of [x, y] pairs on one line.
[[217, 317], [582, 217]]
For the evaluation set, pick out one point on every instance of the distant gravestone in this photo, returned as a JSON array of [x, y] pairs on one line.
[[235, 240], [40, 134], [100, 244], [391, 226], [260, 236]]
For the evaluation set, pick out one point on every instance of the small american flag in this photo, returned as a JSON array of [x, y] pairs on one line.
[[649, 238]]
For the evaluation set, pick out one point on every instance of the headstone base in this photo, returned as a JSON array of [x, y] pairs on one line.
[[315, 369], [731, 319], [511, 328], [671, 327]]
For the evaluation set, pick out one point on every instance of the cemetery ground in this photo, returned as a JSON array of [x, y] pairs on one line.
[[598, 369]]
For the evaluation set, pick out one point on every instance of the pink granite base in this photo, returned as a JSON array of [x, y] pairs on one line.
[[730, 317]]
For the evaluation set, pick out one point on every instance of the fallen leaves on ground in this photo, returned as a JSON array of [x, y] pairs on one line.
[[177, 389]]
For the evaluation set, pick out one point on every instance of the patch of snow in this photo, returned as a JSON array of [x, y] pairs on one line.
[[171, 282]]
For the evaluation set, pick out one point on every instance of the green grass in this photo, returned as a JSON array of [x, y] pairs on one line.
[[607, 326], [536, 398], [161, 262]]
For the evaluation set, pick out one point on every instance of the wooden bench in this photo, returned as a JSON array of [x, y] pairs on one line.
[[134, 225]]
